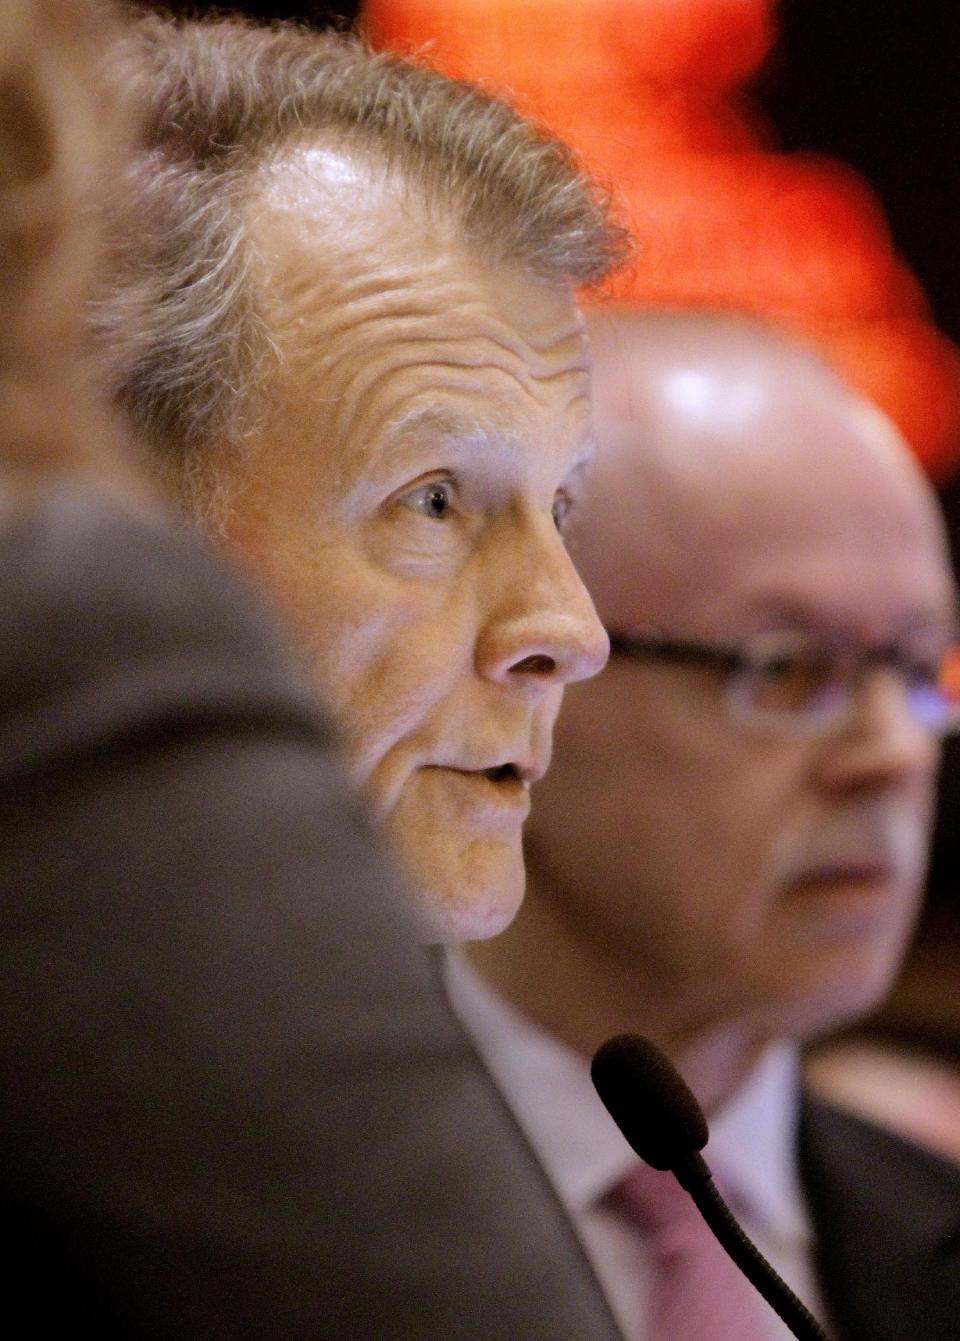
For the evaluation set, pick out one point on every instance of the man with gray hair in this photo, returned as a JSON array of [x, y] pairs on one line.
[[235, 1104], [340, 315]]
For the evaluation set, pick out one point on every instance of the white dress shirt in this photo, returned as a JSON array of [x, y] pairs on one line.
[[752, 1149]]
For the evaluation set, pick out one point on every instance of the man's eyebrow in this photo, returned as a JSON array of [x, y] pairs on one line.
[[812, 618], [946, 622], [444, 427]]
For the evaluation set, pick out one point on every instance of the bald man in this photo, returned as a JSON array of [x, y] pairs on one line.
[[728, 853]]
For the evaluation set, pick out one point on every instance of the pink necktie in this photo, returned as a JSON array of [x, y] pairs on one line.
[[698, 1294]]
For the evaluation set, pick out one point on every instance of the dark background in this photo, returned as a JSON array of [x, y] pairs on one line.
[[876, 83]]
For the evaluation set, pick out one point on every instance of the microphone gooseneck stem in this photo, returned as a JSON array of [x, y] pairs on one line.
[[694, 1177]]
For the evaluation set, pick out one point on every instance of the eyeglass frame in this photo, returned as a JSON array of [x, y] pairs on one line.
[[736, 660]]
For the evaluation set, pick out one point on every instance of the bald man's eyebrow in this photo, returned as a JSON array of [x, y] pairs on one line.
[[783, 612]]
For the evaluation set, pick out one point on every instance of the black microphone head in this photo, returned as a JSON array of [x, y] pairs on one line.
[[649, 1100]]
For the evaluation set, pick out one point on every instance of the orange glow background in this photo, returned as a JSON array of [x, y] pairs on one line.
[[655, 97]]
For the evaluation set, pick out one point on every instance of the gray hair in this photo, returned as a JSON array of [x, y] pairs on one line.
[[184, 342]]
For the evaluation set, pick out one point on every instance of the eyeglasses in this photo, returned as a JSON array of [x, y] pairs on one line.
[[797, 682]]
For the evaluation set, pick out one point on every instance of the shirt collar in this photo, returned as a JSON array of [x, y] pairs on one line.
[[753, 1142], [548, 1086]]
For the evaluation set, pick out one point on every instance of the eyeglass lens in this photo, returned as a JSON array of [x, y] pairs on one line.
[[818, 684]]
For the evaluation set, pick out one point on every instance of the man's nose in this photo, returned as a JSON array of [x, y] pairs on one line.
[[884, 741], [540, 624]]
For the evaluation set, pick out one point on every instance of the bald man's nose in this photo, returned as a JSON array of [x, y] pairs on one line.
[[884, 741]]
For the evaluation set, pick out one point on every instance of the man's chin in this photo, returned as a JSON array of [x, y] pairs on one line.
[[853, 987], [467, 904]]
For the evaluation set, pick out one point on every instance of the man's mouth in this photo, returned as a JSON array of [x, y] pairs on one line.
[[496, 795], [846, 873]]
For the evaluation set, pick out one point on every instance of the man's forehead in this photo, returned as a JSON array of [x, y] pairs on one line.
[[332, 223], [325, 181], [316, 202], [822, 522], [306, 170], [875, 585], [423, 326], [751, 432]]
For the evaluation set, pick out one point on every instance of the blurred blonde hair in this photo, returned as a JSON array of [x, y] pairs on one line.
[[59, 119]]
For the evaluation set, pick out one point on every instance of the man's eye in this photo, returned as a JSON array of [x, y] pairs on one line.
[[561, 510], [433, 500], [793, 682], [923, 669]]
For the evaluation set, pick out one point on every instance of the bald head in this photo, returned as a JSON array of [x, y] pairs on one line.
[[708, 862], [720, 439]]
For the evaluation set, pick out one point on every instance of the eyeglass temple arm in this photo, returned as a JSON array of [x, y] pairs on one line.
[[653, 647]]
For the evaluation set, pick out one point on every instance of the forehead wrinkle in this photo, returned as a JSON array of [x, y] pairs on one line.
[[362, 339], [324, 196], [365, 348], [375, 410], [365, 356], [309, 292], [308, 289], [375, 312], [404, 344]]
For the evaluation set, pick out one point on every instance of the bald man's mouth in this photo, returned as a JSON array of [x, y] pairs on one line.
[[855, 872]]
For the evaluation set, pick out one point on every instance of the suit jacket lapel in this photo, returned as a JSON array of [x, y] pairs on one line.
[[886, 1214]]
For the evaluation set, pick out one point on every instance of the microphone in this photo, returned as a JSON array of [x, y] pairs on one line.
[[659, 1116]]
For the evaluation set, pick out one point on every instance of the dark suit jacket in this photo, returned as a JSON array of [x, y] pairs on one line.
[[234, 1102], [887, 1220]]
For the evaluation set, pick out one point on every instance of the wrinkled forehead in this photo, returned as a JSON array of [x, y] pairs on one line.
[[337, 238], [394, 339]]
